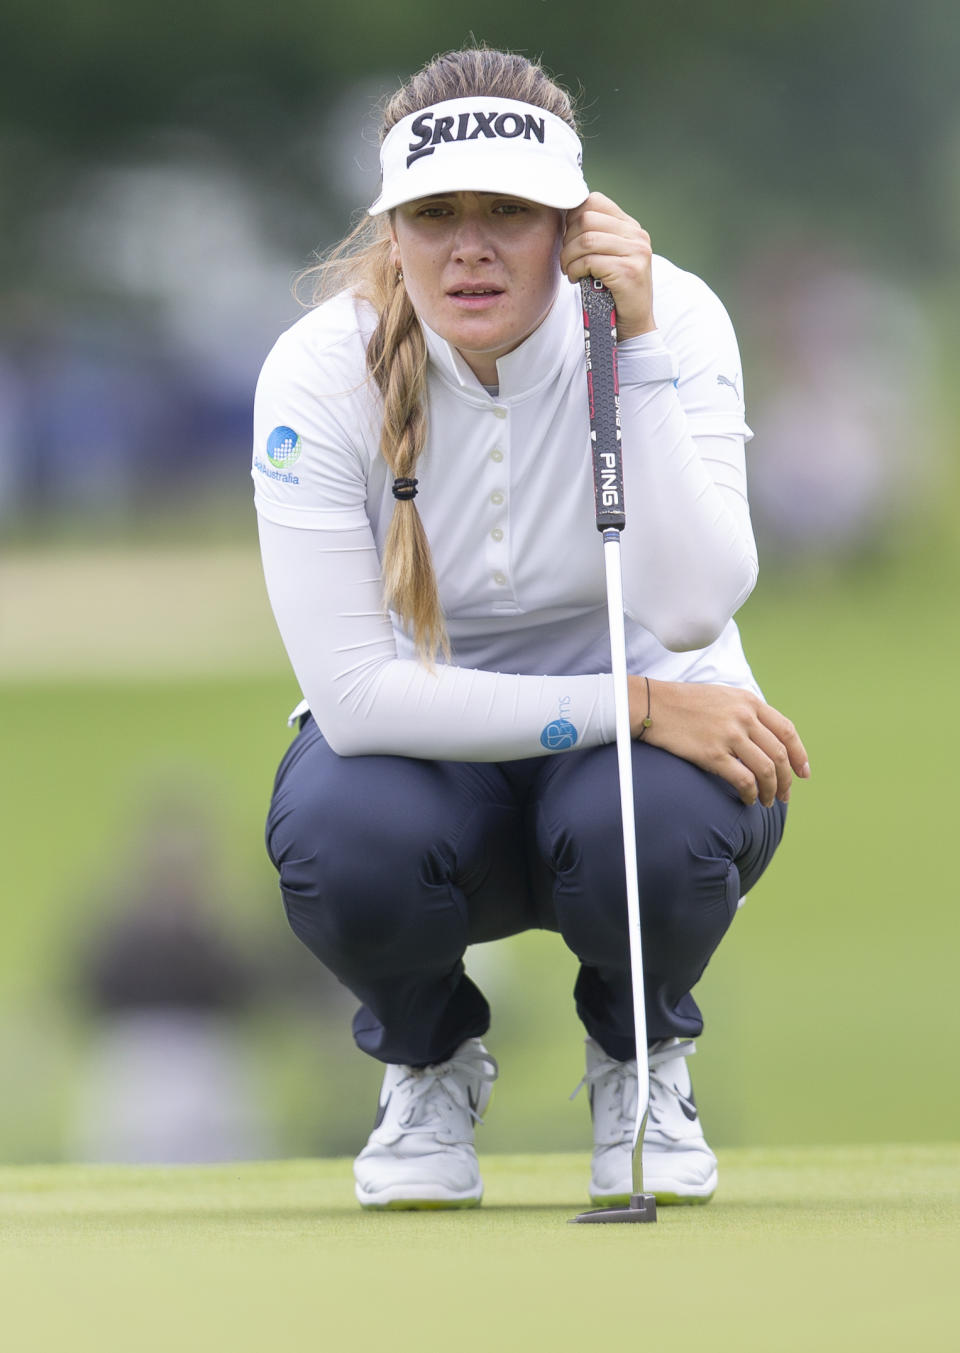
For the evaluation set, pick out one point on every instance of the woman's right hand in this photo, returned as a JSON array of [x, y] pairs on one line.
[[728, 732]]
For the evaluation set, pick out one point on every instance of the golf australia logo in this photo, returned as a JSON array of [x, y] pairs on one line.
[[283, 447], [283, 450], [432, 131], [560, 734]]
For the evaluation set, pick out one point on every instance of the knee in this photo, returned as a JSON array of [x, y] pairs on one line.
[[689, 882], [369, 853], [361, 893], [685, 857], [341, 925]]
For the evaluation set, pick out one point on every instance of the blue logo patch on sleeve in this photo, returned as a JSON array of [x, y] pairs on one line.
[[559, 736], [283, 447]]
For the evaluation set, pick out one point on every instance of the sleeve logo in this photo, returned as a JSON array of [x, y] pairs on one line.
[[559, 736], [283, 447]]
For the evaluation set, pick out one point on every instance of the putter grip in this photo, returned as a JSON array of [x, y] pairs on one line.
[[600, 341]]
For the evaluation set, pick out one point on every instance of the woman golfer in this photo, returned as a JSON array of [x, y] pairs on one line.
[[425, 496]]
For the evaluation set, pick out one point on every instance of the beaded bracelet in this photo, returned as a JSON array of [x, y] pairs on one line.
[[646, 721]]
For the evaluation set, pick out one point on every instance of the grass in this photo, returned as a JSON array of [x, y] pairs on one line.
[[817, 1248]]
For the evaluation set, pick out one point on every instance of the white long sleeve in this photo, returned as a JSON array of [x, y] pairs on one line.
[[689, 555], [326, 593]]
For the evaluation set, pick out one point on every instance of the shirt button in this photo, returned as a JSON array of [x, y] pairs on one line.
[[497, 533], [496, 455], [496, 498], [500, 578], [499, 413]]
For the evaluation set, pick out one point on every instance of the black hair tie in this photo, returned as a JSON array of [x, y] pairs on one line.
[[405, 489]]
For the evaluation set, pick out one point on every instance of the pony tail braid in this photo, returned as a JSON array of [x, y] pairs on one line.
[[397, 359]]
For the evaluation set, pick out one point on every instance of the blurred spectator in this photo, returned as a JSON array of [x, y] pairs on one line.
[[169, 1079]]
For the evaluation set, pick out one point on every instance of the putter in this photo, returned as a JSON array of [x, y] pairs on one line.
[[600, 338]]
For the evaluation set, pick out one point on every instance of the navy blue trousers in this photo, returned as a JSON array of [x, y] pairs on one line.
[[389, 867]]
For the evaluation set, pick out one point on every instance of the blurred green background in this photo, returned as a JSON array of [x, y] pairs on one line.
[[165, 172]]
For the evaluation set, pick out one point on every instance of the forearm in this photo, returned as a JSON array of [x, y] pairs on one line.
[[324, 588]]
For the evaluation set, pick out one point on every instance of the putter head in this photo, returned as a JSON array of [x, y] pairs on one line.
[[643, 1207]]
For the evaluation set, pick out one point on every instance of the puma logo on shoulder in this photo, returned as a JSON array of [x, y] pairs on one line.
[[723, 380]]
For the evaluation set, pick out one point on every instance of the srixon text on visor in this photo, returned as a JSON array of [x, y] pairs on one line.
[[469, 126]]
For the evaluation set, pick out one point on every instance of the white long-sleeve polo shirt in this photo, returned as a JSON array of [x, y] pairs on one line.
[[506, 498]]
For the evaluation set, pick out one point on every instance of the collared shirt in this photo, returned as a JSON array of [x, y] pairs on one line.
[[506, 498]]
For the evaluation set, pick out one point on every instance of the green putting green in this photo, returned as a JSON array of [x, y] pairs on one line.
[[846, 1248]]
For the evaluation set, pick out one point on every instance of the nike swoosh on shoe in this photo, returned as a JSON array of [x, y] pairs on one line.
[[687, 1106], [381, 1112]]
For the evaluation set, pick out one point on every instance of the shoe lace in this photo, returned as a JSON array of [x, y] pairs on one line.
[[421, 1086], [658, 1054]]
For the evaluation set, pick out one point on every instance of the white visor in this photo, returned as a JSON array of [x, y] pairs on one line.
[[482, 145]]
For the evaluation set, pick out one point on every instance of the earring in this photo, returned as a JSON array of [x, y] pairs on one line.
[[399, 275]]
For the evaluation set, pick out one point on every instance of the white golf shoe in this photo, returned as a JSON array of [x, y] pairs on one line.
[[678, 1165], [420, 1153]]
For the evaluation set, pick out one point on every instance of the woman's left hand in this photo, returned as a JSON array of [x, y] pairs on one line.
[[726, 731], [602, 241]]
